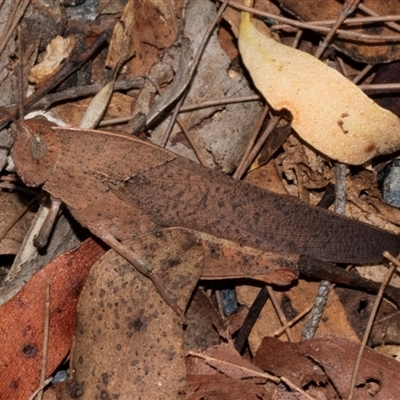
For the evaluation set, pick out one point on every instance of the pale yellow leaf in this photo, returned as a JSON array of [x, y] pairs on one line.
[[57, 51], [329, 112]]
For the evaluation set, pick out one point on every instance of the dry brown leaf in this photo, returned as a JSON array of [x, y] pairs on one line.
[[222, 373], [358, 306], [220, 132], [129, 342], [293, 302], [12, 205], [309, 361], [22, 321], [154, 28], [221, 387], [319, 10], [377, 377], [281, 359], [71, 113], [203, 323], [329, 112], [121, 41], [56, 52], [224, 358]]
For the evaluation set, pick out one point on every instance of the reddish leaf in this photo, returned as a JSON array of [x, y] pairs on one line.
[[22, 320]]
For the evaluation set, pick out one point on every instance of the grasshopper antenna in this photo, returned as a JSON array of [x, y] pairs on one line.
[[21, 127], [20, 76]]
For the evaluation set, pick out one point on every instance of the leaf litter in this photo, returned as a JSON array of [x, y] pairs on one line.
[[127, 341]]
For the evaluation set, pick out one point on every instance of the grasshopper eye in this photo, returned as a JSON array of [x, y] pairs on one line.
[[38, 148]]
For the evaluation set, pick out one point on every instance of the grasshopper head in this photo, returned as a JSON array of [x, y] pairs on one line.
[[35, 152]]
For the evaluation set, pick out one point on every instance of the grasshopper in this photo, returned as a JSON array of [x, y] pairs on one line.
[[120, 187]]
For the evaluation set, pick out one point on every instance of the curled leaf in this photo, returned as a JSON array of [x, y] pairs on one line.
[[56, 52], [329, 112]]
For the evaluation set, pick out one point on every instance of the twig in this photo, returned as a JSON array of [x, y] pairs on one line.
[[260, 143], [158, 109], [251, 318], [303, 313], [205, 104], [388, 276], [280, 313], [362, 73], [241, 167], [254, 372], [348, 7], [70, 66], [221, 102], [45, 383], [192, 69], [324, 288], [290, 323], [12, 22], [303, 25], [340, 188], [297, 38], [45, 340], [387, 19], [342, 66], [372, 88], [213, 360], [374, 14], [83, 91], [317, 310], [171, 123], [173, 16]]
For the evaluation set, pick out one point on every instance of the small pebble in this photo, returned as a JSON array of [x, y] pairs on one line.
[[59, 377], [390, 183], [229, 302]]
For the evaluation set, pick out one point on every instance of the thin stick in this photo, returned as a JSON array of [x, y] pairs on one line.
[[340, 32], [12, 22], [173, 16], [311, 326], [241, 167], [388, 277], [303, 313], [393, 25], [280, 313], [45, 340], [192, 69], [155, 112], [260, 143], [371, 88], [45, 383], [293, 321], [20, 76], [251, 318], [362, 73], [387, 19], [212, 360], [255, 372], [348, 7]]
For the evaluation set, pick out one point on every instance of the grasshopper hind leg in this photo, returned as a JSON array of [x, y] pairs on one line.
[[146, 269]]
